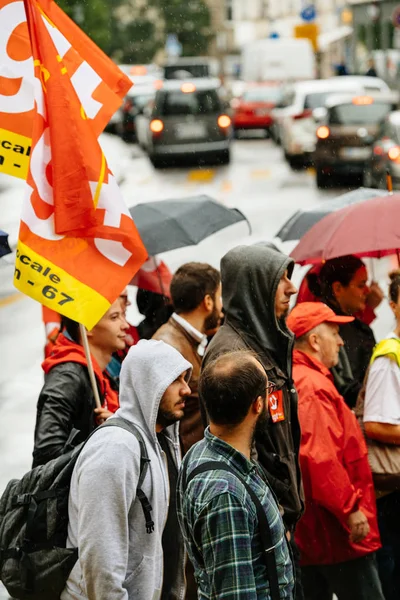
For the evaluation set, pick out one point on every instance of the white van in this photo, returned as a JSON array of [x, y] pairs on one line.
[[279, 59]]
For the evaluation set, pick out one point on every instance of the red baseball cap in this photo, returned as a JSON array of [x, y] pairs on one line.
[[307, 315]]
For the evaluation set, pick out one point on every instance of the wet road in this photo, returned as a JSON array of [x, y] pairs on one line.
[[257, 181]]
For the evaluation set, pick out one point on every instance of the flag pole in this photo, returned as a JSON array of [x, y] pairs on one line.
[[92, 376]]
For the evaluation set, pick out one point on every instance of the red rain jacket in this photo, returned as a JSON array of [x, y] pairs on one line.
[[336, 474]]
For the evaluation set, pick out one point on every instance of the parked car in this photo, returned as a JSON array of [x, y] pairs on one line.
[[134, 103], [187, 119], [252, 110], [385, 155], [189, 67], [142, 74], [113, 125], [344, 141], [295, 119]]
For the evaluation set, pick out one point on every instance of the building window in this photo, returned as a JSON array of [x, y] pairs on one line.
[[229, 10]]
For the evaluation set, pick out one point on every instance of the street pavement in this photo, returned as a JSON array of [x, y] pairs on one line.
[[257, 181]]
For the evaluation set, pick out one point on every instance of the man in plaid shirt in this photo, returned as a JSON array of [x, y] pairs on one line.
[[216, 513]]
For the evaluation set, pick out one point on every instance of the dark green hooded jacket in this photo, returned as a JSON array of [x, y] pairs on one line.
[[250, 277]]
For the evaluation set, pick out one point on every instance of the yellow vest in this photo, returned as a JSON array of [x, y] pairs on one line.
[[390, 348]]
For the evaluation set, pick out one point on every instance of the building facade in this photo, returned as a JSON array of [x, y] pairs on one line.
[[239, 22], [377, 35]]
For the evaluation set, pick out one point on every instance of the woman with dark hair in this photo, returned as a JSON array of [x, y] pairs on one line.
[[66, 410], [342, 285], [156, 309], [381, 418]]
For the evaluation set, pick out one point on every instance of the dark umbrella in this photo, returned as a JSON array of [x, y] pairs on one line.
[[169, 224], [304, 219], [4, 246]]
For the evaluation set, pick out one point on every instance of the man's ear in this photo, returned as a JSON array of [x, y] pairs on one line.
[[89, 333], [313, 341], [208, 303], [258, 405]]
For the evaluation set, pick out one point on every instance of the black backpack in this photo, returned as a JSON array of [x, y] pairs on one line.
[[34, 561]]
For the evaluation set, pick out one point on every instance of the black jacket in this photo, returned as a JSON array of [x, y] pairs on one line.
[[66, 402], [250, 277], [359, 342]]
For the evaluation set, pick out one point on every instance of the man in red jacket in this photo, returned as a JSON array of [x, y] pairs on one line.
[[338, 533]]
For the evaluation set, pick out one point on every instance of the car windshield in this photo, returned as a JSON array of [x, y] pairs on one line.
[[179, 71], [396, 133], [316, 100], [262, 94], [141, 100], [197, 103], [355, 114]]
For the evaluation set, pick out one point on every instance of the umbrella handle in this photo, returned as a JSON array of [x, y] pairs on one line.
[[389, 182]]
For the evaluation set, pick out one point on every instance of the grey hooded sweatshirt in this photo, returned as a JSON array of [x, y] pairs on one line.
[[250, 276], [118, 559]]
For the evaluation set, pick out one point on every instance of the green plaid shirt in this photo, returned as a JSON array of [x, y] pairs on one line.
[[220, 527]]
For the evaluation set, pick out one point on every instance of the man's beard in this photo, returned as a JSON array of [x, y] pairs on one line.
[[167, 417], [261, 422], [285, 313], [212, 321]]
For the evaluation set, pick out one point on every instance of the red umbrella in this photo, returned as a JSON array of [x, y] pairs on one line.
[[368, 229], [154, 276]]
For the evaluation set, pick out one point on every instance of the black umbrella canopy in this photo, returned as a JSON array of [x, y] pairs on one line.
[[170, 224], [303, 220], [4, 245]]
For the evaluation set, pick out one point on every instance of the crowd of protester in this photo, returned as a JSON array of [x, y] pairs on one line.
[[288, 423]]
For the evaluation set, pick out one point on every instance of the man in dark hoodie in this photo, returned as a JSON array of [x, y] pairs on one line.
[[256, 292]]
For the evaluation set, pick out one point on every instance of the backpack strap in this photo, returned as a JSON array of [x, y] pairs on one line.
[[144, 465], [265, 531]]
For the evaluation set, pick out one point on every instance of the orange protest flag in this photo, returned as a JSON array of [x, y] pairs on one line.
[[98, 82], [78, 246]]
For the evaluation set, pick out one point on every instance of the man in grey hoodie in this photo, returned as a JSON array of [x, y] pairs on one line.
[[118, 559]]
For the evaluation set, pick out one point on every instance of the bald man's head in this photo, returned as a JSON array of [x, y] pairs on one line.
[[229, 385]]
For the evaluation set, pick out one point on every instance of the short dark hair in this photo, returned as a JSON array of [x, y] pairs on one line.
[[229, 385], [149, 302], [394, 286], [72, 328], [191, 283]]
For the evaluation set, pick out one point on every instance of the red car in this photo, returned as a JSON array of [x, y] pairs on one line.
[[253, 109]]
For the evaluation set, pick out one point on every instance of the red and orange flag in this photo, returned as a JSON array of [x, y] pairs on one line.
[[78, 246], [99, 84]]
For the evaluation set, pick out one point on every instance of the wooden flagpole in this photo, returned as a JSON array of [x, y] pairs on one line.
[[85, 343]]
